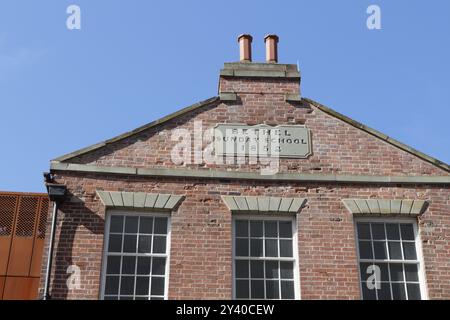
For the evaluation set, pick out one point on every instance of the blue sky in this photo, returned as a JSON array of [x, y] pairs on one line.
[[135, 61]]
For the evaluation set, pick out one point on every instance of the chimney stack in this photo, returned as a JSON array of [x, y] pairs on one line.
[[271, 41], [245, 47]]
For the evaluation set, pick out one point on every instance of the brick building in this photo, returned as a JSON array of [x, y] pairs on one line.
[[345, 212]]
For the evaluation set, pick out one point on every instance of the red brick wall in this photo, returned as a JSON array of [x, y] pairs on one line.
[[201, 257]]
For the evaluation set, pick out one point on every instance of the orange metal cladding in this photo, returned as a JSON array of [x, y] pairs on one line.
[[23, 218]]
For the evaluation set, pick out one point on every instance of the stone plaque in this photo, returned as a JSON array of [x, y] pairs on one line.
[[286, 141]]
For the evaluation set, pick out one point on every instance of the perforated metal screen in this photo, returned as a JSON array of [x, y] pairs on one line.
[[7, 213], [42, 218], [26, 217]]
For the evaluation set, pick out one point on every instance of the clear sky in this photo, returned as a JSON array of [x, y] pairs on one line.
[[135, 61]]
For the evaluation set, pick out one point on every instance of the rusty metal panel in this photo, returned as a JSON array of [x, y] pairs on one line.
[[2, 286], [36, 258], [23, 221], [21, 288], [8, 204], [20, 257]]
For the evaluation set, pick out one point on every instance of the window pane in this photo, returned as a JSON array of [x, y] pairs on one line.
[[409, 250], [364, 268], [287, 290], [270, 229], [384, 291], [411, 272], [286, 248], [398, 291], [285, 229], [242, 247], [160, 226], [127, 285], [378, 231], [257, 269], [396, 271], [111, 298], [256, 228], [129, 243], [128, 265], [146, 225], [407, 231], [158, 266], [384, 271], [116, 224], [365, 250], [287, 270], [132, 270], [115, 243], [363, 231], [143, 266], [413, 291], [395, 252], [242, 269], [370, 270], [131, 224], [113, 265], [271, 248], [379, 248], [257, 289], [159, 244], [268, 238], [112, 285], [256, 247], [400, 245], [241, 229], [368, 294], [142, 284], [271, 269], [272, 289], [392, 231], [157, 286], [145, 244], [242, 289]]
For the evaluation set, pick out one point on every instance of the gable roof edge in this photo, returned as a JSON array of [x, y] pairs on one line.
[[137, 130], [440, 164]]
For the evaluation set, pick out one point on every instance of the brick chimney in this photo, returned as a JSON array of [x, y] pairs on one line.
[[270, 79]]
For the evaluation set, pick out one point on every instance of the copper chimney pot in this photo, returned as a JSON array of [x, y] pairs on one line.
[[271, 41], [245, 47]]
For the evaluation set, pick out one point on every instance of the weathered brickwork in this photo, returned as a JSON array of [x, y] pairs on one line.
[[201, 237], [337, 147]]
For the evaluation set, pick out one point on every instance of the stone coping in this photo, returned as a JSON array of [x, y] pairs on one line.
[[263, 205], [139, 200], [375, 207]]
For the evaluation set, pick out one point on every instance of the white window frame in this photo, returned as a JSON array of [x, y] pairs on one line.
[[418, 243], [108, 215], [267, 217]]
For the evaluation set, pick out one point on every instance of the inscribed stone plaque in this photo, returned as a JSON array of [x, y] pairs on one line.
[[286, 141]]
